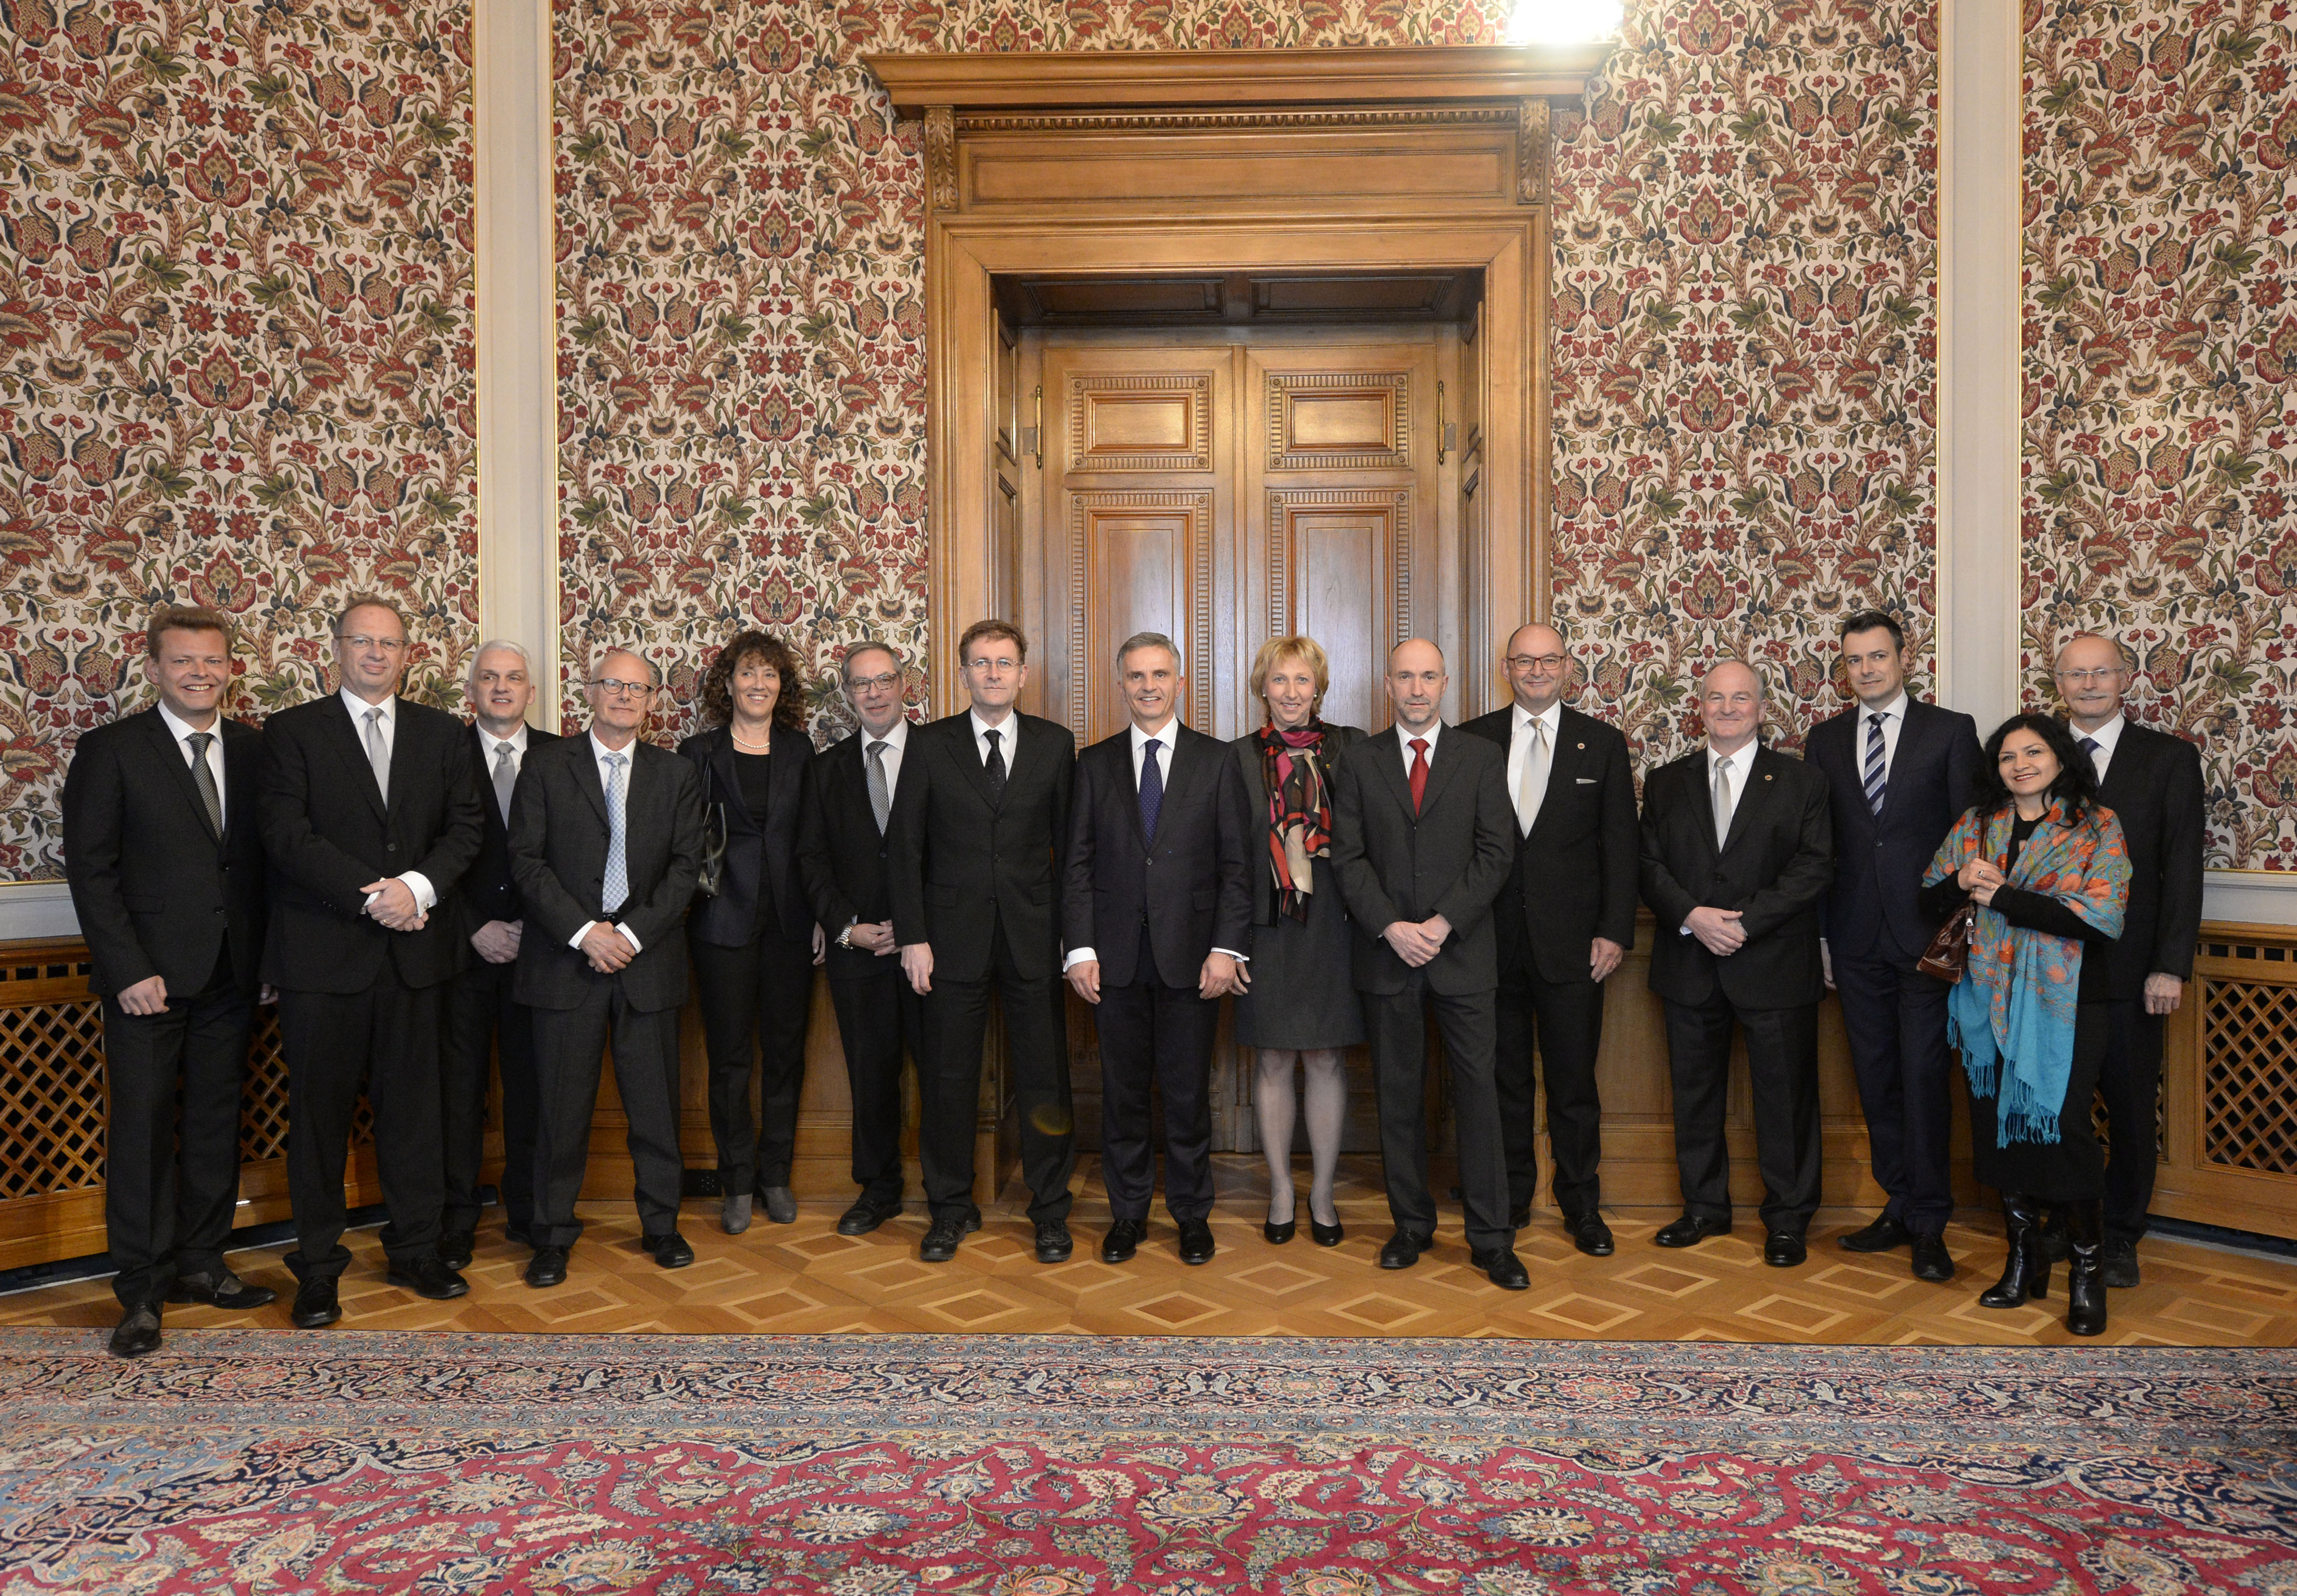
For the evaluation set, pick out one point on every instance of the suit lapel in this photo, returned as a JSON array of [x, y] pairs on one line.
[[1385, 751], [1910, 736], [781, 789], [354, 753], [587, 777], [404, 735], [1440, 765], [1563, 762], [1757, 793], [165, 746]]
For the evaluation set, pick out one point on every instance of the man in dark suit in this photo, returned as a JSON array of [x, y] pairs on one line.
[[605, 841], [1899, 772], [1156, 902], [1565, 920], [974, 872], [370, 817], [483, 1018], [165, 860], [1737, 853], [841, 857], [1420, 846], [2153, 782]]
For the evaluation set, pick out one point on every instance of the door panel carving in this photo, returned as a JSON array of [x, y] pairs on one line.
[[1144, 561], [1340, 421], [1141, 422], [1339, 565]]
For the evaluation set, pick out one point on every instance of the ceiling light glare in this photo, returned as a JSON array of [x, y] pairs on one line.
[[1563, 21]]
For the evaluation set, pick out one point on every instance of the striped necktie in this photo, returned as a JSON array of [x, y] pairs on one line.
[[1877, 781]]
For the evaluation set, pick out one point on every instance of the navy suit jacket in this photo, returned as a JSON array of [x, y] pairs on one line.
[[1872, 909]]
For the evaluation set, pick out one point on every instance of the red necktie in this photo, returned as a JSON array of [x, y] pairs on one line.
[[1418, 771]]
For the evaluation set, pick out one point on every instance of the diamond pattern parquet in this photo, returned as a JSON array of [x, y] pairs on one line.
[[806, 1278]]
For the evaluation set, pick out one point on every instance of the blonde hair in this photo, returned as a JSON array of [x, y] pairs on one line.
[[1295, 647]]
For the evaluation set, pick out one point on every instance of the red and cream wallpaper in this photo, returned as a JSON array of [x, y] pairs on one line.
[[235, 351], [2161, 378]]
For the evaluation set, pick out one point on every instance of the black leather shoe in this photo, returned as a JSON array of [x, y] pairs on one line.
[[222, 1289], [316, 1304], [137, 1332], [1690, 1229], [1783, 1249], [547, 1268], [942, 1237], [454, 1248], [1520, 1217], [1879, 1236], [1932, 1261], [1122, 1240], [1591, 1235], [668, 1249], [2120, 1268], [1278, 1235], [1331, 1235], [866, 1216], [1505, 1269], [1195, 1241], [1402, 1249], [431, 1278], [1054, 1243]]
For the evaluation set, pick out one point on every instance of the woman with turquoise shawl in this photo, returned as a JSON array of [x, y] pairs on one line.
[[2047, 867]]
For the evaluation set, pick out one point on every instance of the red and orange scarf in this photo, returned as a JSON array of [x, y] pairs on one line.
[[1300, 811]]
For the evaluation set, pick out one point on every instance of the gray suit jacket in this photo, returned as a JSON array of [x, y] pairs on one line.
[[558, 837]]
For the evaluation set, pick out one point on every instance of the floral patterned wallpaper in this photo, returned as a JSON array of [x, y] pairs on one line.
[[235, 354], [2161, 378]]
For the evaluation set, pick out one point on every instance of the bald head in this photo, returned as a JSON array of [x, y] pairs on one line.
[[1416, 683], [1731, 705], [1537, 667]]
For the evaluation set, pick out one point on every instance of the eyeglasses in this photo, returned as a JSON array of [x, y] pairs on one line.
[[635, 689], [873, 684], [2084, 679], [1537, 662], [388, 644]]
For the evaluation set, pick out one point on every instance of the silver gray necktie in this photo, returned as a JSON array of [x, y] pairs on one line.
[[505, 779], [881, 800], [1722, 802], [1531, 792], [203, 777], [378, 752], [617, 885]]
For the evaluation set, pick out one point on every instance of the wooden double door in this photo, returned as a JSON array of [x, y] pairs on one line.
[[1224, 491]]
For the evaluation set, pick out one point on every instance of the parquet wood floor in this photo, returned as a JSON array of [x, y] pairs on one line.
[[806, 1278]]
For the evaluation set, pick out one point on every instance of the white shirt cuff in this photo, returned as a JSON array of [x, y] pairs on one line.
[[426, 897], [630, 936], [575, 941], [1077, 956], [1232, 953]]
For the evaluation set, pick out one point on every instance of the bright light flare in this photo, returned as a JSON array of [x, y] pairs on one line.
[[1563, 21]]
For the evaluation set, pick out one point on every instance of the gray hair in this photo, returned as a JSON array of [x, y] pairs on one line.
[[1762, 687], [507, 647], [1141, 640], [653, 672], [866, 645]]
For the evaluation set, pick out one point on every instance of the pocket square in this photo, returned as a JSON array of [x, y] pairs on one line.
[[1585, 781]]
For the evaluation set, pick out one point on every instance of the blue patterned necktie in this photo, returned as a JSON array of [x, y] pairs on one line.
[[2093, 747], [1152, 788], [618, 871], [1876, 783]]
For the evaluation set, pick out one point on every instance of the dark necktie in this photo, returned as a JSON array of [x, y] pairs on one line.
[[2091, 745], [1152, 788], [995, 766], [881, 800], [1418, 771], [1876, 783], [203, 777]]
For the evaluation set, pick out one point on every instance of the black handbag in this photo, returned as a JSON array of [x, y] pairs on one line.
[[711, 879]]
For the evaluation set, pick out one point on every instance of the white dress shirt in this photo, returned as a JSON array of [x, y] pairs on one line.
[[1742, 770], [180, 729], [1894, 722], [1520, 745], [629, 755], [1008, 738], [1404, 741], [897, 742], [1163, 735], [488, 744], [2108, 737], [426, 898]]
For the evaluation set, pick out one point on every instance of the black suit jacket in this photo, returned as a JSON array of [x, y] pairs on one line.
[[1879, 860], [327, 834], [559, 837], [963, 863], [1776, 864], [156, 889], [754, 853], [1189, 886], [1574, 876], [2153, 783], [1451, 859], [490, 891], [1253, 786], [842, 855]]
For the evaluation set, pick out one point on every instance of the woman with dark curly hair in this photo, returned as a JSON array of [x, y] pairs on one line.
[[2048, 869], [754, 944]]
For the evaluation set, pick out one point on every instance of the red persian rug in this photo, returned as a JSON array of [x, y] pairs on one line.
[[1008, 1466]]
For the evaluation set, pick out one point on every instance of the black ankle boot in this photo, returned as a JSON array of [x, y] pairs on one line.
[[2085, 1265], [2025, 1272]]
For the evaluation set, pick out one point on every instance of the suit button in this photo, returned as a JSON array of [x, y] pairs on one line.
[[391, 847]]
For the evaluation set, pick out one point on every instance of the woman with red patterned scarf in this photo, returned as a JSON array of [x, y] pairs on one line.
[[1301, 1005]]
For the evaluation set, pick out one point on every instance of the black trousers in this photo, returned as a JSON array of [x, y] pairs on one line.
[[1782, 1066], [756, 999], [2072, 1168], [1397, 1025], [1566, 1019], [1151, 1033], [1037, 1060], [1895, 1019], [569, 1049], [484, 1025], [877, 1015], [387, 1036], [170, 1184], [2129, 1075]]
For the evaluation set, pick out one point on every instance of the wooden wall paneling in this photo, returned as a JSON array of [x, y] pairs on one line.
[[2229, 1097]]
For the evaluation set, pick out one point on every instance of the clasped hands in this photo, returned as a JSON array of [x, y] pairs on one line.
[[1416, 942], [607, 949], [1221, 976], [1718, 930], [391, 904], [1982, 878]]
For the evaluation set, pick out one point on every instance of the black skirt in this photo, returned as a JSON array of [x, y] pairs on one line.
[[1302, 995], [2070, 1169]]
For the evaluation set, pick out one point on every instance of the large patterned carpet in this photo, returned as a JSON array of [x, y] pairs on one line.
[[1007, 1466]]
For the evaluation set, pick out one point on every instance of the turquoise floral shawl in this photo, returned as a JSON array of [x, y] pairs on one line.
[[2012, 1016]]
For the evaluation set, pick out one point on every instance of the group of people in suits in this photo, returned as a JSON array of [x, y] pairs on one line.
[[428, 901]]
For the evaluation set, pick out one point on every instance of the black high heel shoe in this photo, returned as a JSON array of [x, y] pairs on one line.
[[1278, 1235], [1326, 1234]]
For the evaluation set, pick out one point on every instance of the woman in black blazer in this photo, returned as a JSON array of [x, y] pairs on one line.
[[755, 945], [1302, 1003]]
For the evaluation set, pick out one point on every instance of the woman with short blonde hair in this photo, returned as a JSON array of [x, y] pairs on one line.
[[1301, 1005]]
